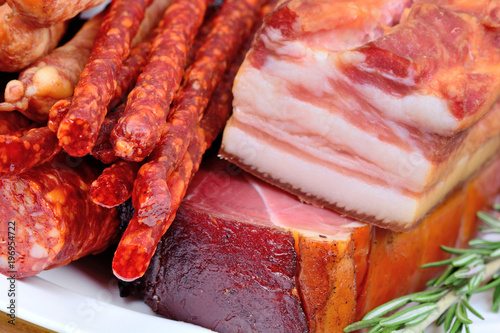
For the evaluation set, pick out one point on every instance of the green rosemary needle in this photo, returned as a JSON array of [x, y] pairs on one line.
[[446, 303]]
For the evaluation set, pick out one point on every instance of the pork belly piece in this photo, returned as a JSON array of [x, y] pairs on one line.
[[377, 124], [244, 256]]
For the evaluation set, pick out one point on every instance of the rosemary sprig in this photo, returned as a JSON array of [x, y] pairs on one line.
[[446, 302]]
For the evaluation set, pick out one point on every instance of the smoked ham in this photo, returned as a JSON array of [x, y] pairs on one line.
[[262, 261], [375, 109]]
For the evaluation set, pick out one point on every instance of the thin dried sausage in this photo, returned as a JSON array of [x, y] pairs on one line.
[[114, 186], [57, 113], [138, 57], [138, 242], [78, 130], [136, 134]]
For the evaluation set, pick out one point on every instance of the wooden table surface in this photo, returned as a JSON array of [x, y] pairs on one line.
[[21, 326]]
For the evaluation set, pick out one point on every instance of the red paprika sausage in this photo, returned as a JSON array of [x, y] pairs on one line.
[[48, 213]]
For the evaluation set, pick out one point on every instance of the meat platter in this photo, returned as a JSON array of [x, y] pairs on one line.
[[79, 298], [193, 93]]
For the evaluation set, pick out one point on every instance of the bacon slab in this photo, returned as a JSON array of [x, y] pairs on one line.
[[52, 77], [46, 13], [78, 130], [21, 43], [55, 220], [377, 123]]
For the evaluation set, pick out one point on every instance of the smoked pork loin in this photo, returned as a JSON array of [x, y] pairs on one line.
[[375, 109], [245, 256]]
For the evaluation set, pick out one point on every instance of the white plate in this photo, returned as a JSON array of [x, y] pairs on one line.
[[83, 297]]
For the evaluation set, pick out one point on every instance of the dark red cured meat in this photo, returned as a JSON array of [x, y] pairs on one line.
[[252, 291], [239, 236], [103, 150], [78, 130], [19, 154], [232, 27], [56, 222], [137, 133], [114, 186]]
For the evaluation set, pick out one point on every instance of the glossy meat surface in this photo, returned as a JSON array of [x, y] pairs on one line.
[[385, 123]]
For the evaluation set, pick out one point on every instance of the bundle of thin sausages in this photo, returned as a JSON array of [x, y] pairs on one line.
[[145, 88]]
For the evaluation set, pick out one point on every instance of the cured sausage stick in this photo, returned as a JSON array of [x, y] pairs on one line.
[[114, 186], [138, 242], [138, 56], [131, 68], [55, 220], [19, 154], [136, 134], [233, 24], [134, 64], [57, 113], [78, 130], [52, 77], [45, 13], [21, 43]]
